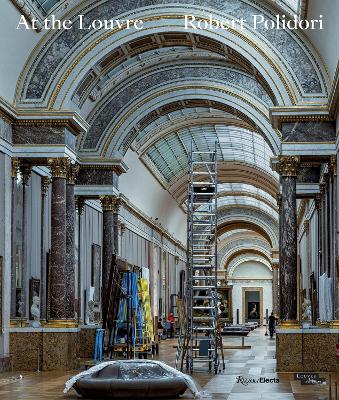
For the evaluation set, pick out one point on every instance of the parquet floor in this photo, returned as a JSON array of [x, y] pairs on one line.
[[253, 363]]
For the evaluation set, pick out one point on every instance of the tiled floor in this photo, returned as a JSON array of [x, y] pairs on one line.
[[251, 363]]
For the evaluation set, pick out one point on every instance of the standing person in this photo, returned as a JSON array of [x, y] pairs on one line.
[[271, 324], [170, 320], [160, 329]]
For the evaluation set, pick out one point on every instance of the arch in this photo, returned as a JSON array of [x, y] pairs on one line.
[[234, 217], [288, 57], [246, 258]]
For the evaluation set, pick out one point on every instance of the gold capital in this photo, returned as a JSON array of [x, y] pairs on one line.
[[25, 171], [289, 165], [58, 167], [107, 203]]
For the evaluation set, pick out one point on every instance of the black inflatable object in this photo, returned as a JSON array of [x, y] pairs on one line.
[[131, 380]]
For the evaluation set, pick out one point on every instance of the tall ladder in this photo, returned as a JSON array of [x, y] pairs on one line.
[[203, 341]]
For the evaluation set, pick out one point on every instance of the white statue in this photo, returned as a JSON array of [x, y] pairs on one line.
[[35, 311], [307, 311]]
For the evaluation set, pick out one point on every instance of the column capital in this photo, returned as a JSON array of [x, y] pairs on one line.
[[122, 228], [15, 167], [289, 165], [107, 203], [80, 204], [317, 201], [275, 266], [279, 200], [25, 171], [117, 205], [72, 172], [45, 182], [322, 187], [59, 167]]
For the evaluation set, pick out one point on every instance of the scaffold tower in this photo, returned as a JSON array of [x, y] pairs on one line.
[[200, 340]]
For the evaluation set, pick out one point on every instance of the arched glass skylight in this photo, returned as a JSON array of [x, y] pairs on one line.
[[45, 5], [169, 155], [245, 188], [246, 201]]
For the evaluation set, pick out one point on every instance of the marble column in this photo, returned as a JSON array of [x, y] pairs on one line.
[[108, 207], [15, 170], [45, 182], [116, 224], [288, 166], [70, 241], [275, 288], [335, 260], [80, 203], [57, 276], [25, 171]]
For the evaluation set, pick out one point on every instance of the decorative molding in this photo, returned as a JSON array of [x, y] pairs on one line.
[[333, 97], [31, 117], [301, 211], [332, 165], [72, 172], [281, 114], [289, 165], [30, 11]]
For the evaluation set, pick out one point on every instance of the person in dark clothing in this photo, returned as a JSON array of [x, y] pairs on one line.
[[271, 324]]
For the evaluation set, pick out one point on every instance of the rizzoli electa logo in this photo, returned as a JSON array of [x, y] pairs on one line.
[[246, 381]]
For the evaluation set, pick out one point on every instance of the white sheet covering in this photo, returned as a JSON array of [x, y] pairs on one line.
[[325, 298], [192, 386]]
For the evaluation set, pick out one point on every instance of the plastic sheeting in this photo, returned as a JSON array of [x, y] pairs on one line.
[[325, 298], [134, 369]]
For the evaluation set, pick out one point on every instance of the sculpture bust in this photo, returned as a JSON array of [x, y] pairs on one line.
[[35, 311], [307, 312]]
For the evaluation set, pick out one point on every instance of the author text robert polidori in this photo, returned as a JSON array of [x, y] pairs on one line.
[[190, 22]]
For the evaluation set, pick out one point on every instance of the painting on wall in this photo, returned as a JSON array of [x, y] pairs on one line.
[[96, 272], [253, 310]]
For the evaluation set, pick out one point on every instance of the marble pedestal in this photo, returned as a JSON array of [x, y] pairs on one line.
[[46, 349], [87, 341], [306, 350]]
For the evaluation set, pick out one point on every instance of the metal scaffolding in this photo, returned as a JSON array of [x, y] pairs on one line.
[[200, 340]]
